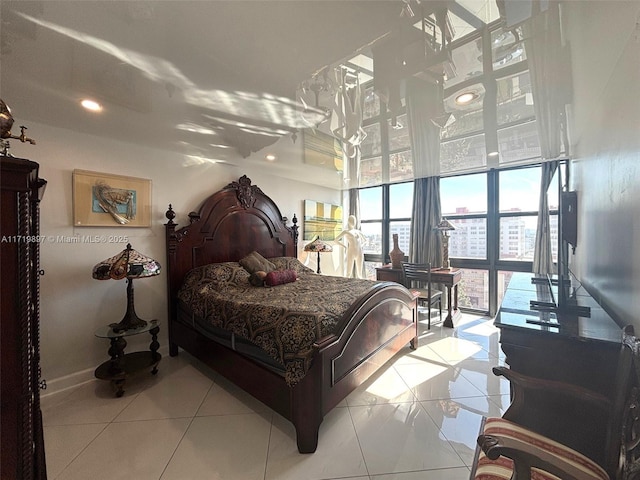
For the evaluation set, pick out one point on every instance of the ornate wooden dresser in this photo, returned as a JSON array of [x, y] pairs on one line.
[[22, 452]]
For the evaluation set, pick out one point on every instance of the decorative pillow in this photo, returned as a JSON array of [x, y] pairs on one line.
[[214, 277], [280, 277], [217, 274], [257, 278], [255, 262], [290, 263]]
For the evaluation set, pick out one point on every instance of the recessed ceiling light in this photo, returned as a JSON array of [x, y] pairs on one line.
[[91, 105], [466, 97], [270, 157], [492, 154]]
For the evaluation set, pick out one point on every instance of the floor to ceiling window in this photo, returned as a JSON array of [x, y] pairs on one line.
[[495, 216], [385, 210], [489, 167]]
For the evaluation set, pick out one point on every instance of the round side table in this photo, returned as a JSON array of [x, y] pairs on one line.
[[122, 365]]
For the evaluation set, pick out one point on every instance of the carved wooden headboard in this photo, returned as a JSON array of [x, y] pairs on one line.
[[230, 224]]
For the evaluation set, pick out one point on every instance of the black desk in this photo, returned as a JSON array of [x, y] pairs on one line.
[[575, 348]]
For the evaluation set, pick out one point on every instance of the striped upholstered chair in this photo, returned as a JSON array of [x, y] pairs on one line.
[[536, 456], [556, 431]]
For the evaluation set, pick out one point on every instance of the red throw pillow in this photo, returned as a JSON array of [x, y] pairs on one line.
[[280, 277]]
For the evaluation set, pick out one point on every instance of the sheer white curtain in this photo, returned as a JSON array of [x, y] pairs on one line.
[[542, 254], [424, 106], [550, 71]]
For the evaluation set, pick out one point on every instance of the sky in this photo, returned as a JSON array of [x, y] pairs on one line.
[[519, 189]]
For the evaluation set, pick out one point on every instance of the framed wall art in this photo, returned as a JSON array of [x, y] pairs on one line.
[[107, 200], [321, 219]]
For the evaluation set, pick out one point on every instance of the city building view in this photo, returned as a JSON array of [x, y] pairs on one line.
[[469, 240]]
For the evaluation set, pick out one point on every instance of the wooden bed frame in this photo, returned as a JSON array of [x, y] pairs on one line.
[[232, 223]]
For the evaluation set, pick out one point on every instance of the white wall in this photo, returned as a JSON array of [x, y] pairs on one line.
[[73, 305], [605, 137]]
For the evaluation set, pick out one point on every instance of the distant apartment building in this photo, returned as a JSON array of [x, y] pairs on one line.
[[469, 240], [516, 242]]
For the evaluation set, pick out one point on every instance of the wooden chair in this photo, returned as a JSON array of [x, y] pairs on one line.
[[417, 276], [562, 431]]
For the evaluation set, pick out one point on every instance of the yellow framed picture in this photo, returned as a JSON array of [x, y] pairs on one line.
[[321, 219], [108, 200]]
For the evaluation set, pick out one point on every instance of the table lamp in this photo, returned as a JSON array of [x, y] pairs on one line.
[[318, 245], [127, 264], [445, 226]]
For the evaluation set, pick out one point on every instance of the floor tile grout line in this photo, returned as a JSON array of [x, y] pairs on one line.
[[266, 460], [192, 418], [83, 449], [164, 469], [443, 433], [355, 430]]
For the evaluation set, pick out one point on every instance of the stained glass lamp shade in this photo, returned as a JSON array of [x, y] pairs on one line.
[[127, 264], [318, 245]]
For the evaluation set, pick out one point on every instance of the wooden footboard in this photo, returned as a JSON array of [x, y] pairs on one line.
[[379, 328]]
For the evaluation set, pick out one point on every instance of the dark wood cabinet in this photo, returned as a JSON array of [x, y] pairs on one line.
[[22, 452], [578, 343]]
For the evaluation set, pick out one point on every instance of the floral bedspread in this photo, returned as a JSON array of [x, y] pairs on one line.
[[284, 320]]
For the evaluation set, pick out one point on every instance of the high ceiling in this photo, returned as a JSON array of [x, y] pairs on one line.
[[182, 75]]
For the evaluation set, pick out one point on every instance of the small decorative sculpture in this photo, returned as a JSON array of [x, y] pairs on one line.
[[396, 255], [355, 255]]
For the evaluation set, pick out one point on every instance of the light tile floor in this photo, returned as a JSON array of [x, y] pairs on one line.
[[418, 418]]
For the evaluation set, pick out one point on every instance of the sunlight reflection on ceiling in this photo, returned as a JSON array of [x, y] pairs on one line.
[[195, 128], [260, 113]]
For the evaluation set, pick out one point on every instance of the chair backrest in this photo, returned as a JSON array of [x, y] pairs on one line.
[[608, 423], [416, 272]]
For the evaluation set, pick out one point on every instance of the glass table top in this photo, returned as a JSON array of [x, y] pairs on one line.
[[516, 311], [107, 332]]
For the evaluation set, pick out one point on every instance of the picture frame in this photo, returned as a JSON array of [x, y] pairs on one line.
[[321, 219], [110, 200]]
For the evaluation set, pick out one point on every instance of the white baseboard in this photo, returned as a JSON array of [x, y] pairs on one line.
[[68, 382], [77, 379]]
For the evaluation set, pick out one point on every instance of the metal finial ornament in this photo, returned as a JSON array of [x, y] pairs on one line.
[[6, 122]]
